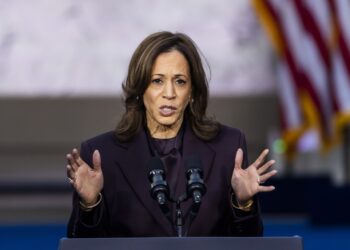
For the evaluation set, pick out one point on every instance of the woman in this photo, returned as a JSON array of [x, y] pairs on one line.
[[166, 95]]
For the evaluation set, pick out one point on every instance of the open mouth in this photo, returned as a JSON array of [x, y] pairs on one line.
[[167, 110]]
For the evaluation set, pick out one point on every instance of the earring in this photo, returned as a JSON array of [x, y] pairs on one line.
[[137, 98]]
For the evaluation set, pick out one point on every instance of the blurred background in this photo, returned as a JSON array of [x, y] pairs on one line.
[[279, 71]]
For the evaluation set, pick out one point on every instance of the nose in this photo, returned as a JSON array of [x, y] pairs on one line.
[[169, 90]]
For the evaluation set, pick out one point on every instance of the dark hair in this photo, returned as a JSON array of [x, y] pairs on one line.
[[139, 77]]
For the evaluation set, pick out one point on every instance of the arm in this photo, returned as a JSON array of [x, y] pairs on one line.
[[88, 213], [246, 183]]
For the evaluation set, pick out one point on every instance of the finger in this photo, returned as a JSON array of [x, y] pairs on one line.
[[72, 162], [267, 176], [76, 157], [71, 181], [265, 167], [266, 188], [70, 172], [96, 160], [261, 158], [239, 159]]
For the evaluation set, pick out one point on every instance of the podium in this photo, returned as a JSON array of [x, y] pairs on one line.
[[184, 243]]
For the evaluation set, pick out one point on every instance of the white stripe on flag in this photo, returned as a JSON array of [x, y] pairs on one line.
[[288, 97], [343, 10], [341, 82]]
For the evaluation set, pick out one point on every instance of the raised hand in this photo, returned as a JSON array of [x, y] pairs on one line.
[[247, 182], [87, 181]]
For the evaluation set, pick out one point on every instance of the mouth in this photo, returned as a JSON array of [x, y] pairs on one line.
[[166, 110]]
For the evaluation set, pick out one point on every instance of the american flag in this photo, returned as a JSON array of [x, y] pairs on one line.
[[312, 41]]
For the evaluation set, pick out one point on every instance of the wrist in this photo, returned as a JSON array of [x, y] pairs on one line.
[[89, 202], [241, 205], [88, 206]]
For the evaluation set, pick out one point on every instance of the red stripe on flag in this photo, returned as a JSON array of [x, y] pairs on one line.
[[301, 81], [344, 51], [312, 28]]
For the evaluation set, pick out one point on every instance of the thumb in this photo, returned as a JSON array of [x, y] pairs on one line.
[[239, 159], [96, 160]]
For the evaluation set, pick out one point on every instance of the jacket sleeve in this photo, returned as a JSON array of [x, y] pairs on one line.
[[87, 224], [245, 223]]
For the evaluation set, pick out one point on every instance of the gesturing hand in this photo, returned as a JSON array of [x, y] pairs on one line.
[[87, 181], [247, 182]]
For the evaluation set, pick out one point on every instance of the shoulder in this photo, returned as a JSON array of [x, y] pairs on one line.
[[226, 130], [228, 139], [107, 137], [109, 140], [228, 134], [227, 142], [106, 143]]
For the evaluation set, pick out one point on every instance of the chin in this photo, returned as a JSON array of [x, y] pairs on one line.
[[167, 121]]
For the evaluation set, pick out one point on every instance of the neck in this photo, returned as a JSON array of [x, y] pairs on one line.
[[160, 131]]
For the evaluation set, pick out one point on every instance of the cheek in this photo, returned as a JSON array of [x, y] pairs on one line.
[[147, 99], [184, 105], [148, 106], [149, 103]]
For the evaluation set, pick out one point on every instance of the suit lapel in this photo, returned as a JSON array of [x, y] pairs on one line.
[[192, 145], [133, 164]]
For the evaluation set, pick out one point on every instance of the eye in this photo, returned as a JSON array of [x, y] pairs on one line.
[[180, 81], [156, 81]]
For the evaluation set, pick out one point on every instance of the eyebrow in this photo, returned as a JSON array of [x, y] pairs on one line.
[[176, 75]]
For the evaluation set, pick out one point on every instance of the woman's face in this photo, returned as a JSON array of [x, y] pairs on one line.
[[168, 93]]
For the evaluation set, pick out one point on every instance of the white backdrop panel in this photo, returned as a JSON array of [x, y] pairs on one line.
[[82, 47]]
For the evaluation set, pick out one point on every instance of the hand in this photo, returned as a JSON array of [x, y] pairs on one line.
[[247, 182], [87, 181]]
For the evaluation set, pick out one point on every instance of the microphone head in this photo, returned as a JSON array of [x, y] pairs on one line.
[[195, 185], [156, 175], [193, 163], [155, 165]]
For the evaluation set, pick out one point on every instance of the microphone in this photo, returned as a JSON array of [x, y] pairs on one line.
[[195, 184], [159, 186]]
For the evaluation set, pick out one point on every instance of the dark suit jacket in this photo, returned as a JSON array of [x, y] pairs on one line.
[[127, 208]]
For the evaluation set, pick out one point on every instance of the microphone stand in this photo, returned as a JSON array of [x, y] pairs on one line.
[[179, 222]]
